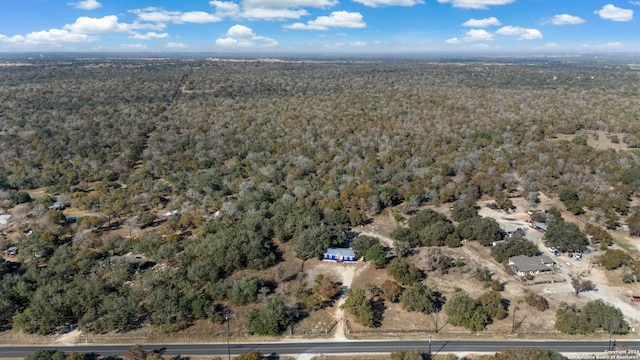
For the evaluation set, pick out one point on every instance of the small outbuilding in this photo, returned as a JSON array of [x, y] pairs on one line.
[[12, 251], [540, 226], [57, 206], [4, 219], [339, 255]]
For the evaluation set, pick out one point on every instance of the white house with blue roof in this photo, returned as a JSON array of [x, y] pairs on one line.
[[339, 255]]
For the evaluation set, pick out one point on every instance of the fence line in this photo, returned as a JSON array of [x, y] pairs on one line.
[[321, 332]]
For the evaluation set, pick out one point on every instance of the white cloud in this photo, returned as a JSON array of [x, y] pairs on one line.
[[199, 17], [240, 31], [481, 23], [378, 3], [524, 34], [475, 4], [473, 35], [239, 36], [80, 31], [273, 9], [342, 19], [175, 45], [273, 14], [162, 16], [52, 37], [358, 44], [86, 4], [286, 4], [133, 46], [614, 13], [300, 26], [565, 19], [104, 25], [150, 35], [603, 47], [334, 45], [636, 3], [281, 9], [478, 35], [552, 46], [225, 9]]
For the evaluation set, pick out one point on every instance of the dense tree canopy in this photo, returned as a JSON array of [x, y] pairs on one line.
[[513, 247], [420, 298], [405, 272], [484, 230], [466, 311], [565, 236], [594, 315], [425, 218], [272, 318], [362, 244], [359, 305], [245, 157]]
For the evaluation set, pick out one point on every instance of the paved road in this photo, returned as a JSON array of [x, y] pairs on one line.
[[351, 347]]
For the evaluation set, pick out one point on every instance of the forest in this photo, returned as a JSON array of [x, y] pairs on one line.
[[209, 165]]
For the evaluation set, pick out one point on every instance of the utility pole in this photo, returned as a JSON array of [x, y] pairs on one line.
[[226, 318], [513, 324], [429, 347], [436, 331]]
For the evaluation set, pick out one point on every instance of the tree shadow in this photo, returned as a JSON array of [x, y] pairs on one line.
[[440, 300], [378, 307]]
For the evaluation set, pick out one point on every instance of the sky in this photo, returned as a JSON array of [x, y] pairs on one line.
[[320, 26]]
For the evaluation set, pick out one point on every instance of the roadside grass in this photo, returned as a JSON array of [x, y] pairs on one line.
[[380, 357]]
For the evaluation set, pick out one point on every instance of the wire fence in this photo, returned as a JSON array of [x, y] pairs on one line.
[[320, 332]]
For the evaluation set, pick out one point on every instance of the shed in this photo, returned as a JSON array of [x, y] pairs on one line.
[[339, 255], [540, 226], [4, 219], [13, 250], [57, 206]]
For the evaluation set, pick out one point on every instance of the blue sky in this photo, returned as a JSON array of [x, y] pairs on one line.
[[320, 26]]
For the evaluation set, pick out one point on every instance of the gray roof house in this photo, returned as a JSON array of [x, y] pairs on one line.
[[531, 264]]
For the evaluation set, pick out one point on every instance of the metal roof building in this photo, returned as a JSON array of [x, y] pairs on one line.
[[339, 255]]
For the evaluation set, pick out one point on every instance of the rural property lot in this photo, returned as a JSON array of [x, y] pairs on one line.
[[609, 286]]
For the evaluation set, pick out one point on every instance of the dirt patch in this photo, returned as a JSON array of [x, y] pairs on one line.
[[77, 213], [597, 139], [394, 317], [334, 315], [381, 226]]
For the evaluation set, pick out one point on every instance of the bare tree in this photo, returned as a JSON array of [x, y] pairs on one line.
[[581, 284]]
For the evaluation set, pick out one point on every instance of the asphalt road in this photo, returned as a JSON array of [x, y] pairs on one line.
[[351, 347]]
